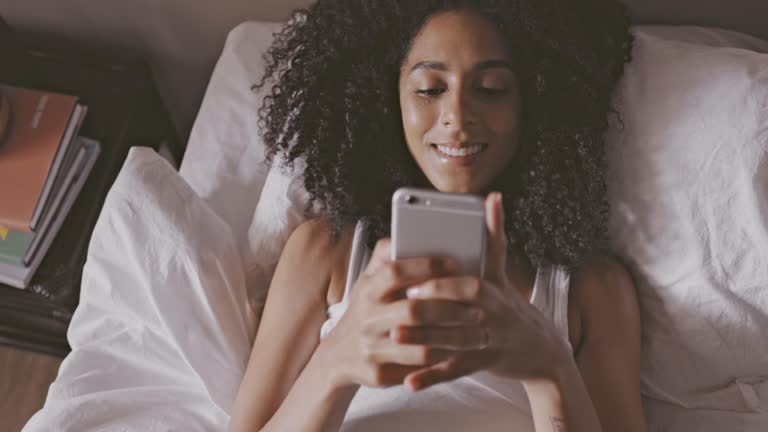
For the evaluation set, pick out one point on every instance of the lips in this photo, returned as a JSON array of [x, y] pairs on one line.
[[462, 154], [460, 151]]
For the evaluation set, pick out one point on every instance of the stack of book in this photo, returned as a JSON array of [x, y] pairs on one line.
[[43, 166]]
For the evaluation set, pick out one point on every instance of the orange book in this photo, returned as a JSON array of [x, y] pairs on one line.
[[39, 122]]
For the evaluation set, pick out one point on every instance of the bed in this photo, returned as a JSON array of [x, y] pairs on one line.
[[164, 328]]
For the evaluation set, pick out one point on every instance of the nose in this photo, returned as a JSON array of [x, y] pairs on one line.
[[457, 112]]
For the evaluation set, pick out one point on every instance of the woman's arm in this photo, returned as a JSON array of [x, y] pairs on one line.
[[286, 373], [561, 403], [604, 313], [609, 351], [295, 384]]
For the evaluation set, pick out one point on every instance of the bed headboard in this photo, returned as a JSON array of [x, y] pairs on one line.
[[182, 38]]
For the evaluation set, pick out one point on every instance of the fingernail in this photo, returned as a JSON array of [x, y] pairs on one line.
[[398, 334], [414, 292], [414, 384]]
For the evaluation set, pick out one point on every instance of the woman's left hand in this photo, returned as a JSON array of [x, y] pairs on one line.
[[510, 338]]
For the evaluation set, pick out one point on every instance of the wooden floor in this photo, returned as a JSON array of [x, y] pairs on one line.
[[24, 381]]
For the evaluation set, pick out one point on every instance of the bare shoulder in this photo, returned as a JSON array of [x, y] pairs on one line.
[[312, 248], [310, 239], [602, 296], [604, 275], [313, 243]]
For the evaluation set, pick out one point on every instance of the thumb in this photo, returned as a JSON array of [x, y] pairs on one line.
[[496, 249], [381, 254]]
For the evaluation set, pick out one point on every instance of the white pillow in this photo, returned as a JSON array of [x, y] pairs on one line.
[[224, 160], [708, 36], [279, 211], [688, 188], [162, 335]]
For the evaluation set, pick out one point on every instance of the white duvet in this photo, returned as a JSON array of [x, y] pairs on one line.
[[163, 332]]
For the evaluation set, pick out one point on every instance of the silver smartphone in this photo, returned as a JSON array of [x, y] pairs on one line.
[[428, 223]]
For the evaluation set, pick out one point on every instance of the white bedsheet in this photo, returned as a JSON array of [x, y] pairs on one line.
[[163, 332]]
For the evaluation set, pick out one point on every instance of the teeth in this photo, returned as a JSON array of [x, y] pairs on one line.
[[461, 152]]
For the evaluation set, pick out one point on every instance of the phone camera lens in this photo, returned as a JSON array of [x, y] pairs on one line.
[[410, 199]]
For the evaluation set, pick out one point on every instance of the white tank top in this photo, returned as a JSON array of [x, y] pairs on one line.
[[478, 402]]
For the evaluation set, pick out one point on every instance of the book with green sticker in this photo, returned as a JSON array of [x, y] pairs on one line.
[[18, 274], [14, 245]]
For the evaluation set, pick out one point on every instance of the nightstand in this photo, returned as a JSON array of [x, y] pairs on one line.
[[124, 110]]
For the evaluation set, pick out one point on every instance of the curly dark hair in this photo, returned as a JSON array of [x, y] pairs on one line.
[[333, 103]]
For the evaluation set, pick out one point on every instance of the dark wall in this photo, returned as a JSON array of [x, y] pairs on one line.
[[183, 38]]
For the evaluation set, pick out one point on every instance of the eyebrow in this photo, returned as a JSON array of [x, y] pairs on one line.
[[485, 64]]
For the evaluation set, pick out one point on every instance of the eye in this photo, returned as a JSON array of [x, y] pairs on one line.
[[430, 92]]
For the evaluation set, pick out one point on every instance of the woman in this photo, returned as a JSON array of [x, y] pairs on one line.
[[460, 96]]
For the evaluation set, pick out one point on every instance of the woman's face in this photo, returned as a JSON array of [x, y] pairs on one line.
[[460, 102]]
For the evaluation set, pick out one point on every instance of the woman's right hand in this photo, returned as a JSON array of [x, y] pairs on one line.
[[360, 348]]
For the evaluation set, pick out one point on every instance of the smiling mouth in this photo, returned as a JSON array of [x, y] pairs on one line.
[[459, 152]]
